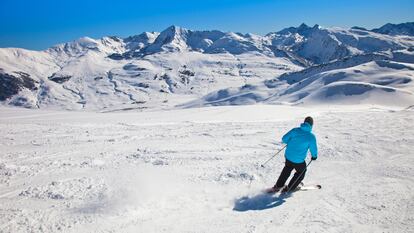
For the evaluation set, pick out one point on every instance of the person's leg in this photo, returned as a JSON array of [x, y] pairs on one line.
[[298, 177], [284, 175]]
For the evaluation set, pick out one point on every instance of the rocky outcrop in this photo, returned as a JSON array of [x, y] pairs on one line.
[[11, 84]]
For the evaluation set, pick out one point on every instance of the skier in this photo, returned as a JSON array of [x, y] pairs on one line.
[[298, 141]]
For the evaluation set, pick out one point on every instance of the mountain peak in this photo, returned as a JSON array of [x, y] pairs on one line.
[[316, 26], [175, 29], [173, 38], [302, 29], [406, 29], [145, 36], [303, 26]]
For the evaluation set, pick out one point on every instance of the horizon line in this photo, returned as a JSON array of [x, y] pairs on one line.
[[201, 30]]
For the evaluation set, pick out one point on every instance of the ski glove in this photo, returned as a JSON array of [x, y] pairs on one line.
[[313, 158]]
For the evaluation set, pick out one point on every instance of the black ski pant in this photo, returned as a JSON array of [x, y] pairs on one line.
[[300, 169]]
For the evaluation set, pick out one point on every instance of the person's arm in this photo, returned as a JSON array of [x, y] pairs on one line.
[[313, 148], [287, 136]]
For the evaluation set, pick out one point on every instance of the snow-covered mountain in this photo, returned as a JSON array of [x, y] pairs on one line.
[[321, 45], [380, 79], [396, 29], [181, 67]]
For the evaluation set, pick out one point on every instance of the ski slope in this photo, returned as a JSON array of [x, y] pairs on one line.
[[198, 170]]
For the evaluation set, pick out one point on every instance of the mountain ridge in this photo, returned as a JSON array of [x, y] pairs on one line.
[[178, 65]]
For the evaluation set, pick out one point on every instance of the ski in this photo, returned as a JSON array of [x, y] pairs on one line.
[[301, 187], [309, 187], [271, 190]]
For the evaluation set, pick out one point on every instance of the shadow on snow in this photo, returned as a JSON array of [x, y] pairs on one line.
[[259, 202]]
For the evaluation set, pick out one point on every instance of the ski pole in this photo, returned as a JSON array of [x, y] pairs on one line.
[[273, 156], [300, 176]]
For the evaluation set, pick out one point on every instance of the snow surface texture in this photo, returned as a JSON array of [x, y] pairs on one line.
[[160, 70], [362, 79], [198, 170]]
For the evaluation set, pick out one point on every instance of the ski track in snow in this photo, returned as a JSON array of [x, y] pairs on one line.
[[198, 170]]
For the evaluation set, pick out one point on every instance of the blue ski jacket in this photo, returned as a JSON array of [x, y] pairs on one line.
[[298, 141]]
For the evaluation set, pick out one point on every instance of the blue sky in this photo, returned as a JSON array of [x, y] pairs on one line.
[[38, 24]]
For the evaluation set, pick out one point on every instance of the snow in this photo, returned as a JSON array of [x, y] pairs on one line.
[[161, 80], [182, 67], [396, 29], [378, 82], [198, 170], [170, 129], [362, 79], [321, 45]]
